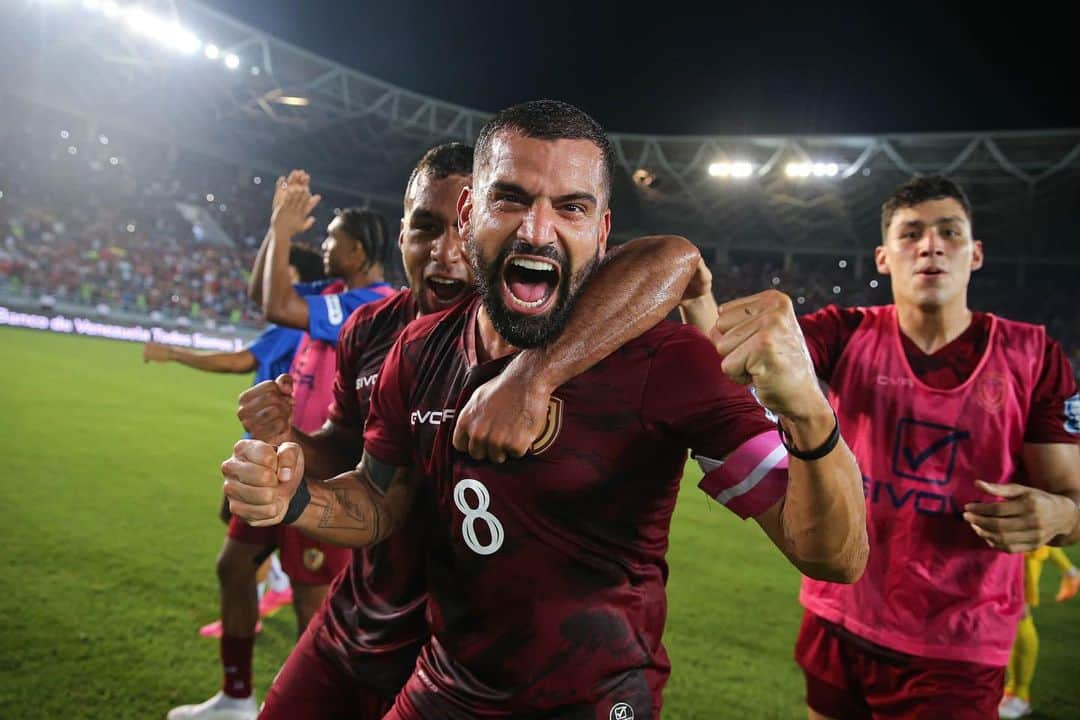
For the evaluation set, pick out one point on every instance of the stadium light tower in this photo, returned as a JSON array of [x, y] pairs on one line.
[[815, 169], [739, 170]]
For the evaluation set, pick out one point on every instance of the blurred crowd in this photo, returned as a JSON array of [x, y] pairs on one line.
[[93, 218]]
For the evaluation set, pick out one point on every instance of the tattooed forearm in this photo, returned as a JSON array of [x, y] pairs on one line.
[[352, 510], [361, 507]]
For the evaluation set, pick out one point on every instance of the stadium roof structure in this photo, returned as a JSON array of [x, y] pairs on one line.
[[186, 74]]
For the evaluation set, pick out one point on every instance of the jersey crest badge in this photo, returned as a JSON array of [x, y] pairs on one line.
[[313, 559], [552, 425], [990, 391]]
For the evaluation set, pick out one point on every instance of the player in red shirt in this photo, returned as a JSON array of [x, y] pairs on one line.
[[546, 573], [969, 457], [362, 647]]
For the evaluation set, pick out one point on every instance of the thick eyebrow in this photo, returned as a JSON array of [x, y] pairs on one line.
[[424, 214], [509, 187], [514, 189], [938, 221], [575, 197]]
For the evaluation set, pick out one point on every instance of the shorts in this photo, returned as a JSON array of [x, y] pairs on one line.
[[309, 687], [636, 697], [848, 677], [304, 560]]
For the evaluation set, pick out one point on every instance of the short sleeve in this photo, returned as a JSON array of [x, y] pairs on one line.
[[387, 434], [688, 394]]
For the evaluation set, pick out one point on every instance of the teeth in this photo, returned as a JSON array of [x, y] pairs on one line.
[[533, 264], [534, 303], [442, 281]]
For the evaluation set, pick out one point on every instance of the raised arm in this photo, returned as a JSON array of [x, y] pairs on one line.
[[820, 524], [255, 282], [638, 284], [266, 486], [281, 303]]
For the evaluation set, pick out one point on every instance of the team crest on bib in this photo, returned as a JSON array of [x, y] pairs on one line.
[[990, 391], [621, 711], [313, 559], [552, 425]]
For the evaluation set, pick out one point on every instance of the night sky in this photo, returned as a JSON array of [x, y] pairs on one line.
[[746, 68]]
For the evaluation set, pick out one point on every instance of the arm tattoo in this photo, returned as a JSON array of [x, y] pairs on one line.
[[363, 506], [359, 512]]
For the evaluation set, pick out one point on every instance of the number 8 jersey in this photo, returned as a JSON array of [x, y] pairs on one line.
[[546, 574]]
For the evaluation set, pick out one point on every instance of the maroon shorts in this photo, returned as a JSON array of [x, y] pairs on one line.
[[309, 687], [849, 677], [636, 697], [305, 561]]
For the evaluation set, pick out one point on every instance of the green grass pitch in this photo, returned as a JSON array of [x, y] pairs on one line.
[[110, 488]]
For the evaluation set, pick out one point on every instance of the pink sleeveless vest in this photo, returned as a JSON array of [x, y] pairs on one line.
[[932, 587], [313, 369]]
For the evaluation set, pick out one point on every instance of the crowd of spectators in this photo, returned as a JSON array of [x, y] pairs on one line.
[[97, 219], [93, 218]]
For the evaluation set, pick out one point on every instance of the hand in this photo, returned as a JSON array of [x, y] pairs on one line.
[[1028, 518], [266, 410], [761, 343], [295, 178], [292, 215], [261, 480], [503, 417], [155, 352], [700, 284]]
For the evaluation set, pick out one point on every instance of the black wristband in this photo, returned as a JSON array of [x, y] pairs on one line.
[[817, 453], [296, 506]]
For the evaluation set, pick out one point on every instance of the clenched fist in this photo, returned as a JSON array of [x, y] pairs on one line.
[[260, 480], [266, 409], [761, 344]]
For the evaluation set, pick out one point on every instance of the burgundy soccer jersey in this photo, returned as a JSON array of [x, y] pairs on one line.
[[546, 575], [374, 622]]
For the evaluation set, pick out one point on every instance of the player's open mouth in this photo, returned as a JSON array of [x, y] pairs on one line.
[[930, 271], [529, 283], [446, 291]]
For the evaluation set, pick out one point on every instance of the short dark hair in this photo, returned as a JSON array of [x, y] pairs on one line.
[[549, 120], [442, 161], [918, 190], [368, 228], [308, 263]]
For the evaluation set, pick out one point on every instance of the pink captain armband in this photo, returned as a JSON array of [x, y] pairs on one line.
[[750, 479]]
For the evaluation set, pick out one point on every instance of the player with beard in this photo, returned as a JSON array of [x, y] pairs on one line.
[[362, 647], [546, 573]]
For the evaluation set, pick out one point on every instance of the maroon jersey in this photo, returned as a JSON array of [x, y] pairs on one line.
[[1053, 414], [374, 622], [546, 575]]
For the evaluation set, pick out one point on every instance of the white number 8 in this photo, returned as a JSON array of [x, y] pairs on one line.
[[472, 514]]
